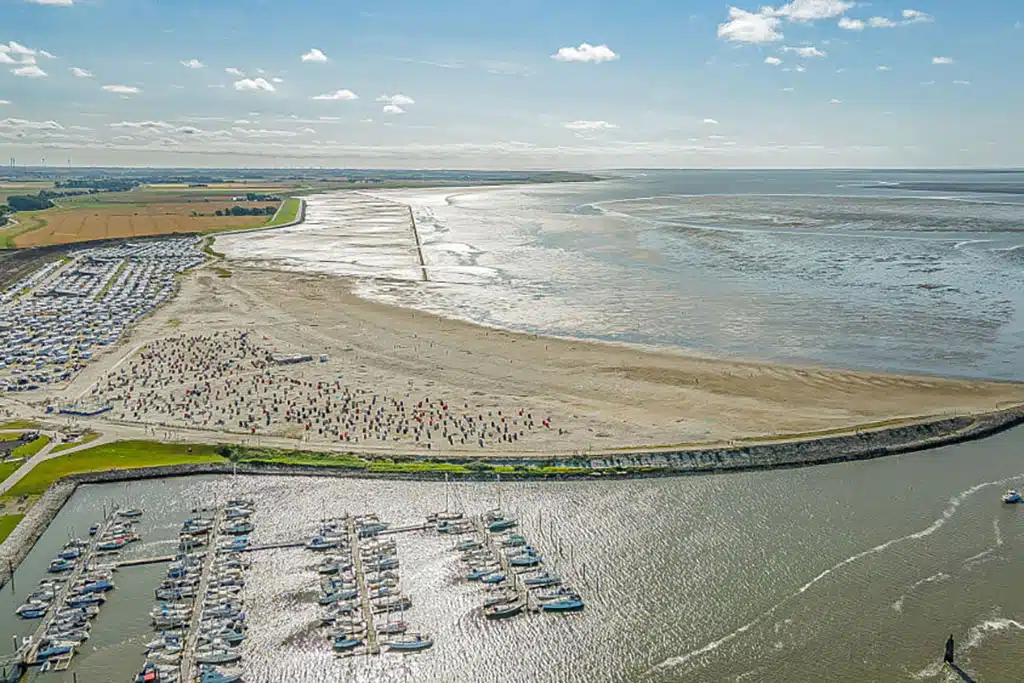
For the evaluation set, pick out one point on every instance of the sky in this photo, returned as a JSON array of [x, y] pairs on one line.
[[512, 84]]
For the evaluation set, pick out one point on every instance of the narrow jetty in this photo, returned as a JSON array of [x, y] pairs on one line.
[[372, 646], [419, 246], [36, 639], [188, 653]]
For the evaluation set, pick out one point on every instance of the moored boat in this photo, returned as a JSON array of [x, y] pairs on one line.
[[1012, 496], [504, 611]]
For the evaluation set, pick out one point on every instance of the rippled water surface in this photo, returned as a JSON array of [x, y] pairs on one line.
[[736, 263], [841, 572]]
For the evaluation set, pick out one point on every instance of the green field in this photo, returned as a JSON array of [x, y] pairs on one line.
[[7, 524], [19, 424], [31, 448], [288, 212], [121, 455], [8, 468]]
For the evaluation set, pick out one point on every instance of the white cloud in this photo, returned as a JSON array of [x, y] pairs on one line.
[[881, 22], [6, 58], [800, 69], [121, 89], [835, 101], [48, 55], [143, 125], [81, 73], [308, 131], [398, 100], [774, 61], [392, 109], [243, 122], [275, 79], [812, 10], [342, 95], [234, 72], [5, 101], [711, 122], [16, 49], [264, 133], [54, 3], [329, 118], [586, 52], [851, 24], [883, 68], [192, 64], [788, 89], [28, 59], [31, 71], [22, 124], [961, 82], [942, 60], [254, 84], [750, 27], [913, 16], [806, 52], [590, 125], [314, 55]]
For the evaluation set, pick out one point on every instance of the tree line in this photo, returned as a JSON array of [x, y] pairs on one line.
[[243, 211]]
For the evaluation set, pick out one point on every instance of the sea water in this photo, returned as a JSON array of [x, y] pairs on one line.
[[913, 271]]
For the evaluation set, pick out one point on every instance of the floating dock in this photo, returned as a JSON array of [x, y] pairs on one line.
[[188, 652], [372, 646]]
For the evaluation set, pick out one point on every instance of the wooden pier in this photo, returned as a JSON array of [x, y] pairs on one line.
[[32, 652], [188, 654], [372, 647], [141, 561]]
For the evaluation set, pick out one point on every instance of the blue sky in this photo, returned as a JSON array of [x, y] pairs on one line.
[[512, 84]]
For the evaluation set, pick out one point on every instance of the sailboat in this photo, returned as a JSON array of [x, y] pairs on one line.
[[445, 515], [495, 519]]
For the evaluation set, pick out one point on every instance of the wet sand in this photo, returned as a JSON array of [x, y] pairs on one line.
[[592, 396]]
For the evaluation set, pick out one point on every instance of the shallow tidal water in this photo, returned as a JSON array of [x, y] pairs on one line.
[[852, 571]]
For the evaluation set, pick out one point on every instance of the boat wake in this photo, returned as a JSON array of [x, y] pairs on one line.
[[941, 576], [954, 503]]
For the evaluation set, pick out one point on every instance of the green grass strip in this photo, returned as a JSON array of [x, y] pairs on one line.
[[31, 448], [120, 455], [7, 524]]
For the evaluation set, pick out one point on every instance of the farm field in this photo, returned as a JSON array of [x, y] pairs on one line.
[[28, 187], [81, 222]]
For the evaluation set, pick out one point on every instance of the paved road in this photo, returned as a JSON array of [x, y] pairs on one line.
[[44, 454]]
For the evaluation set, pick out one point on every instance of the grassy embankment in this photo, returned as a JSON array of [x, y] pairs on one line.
[[286, 214], [27, 450], [7, 524], [19, 424], [8, 468], [121, 455]]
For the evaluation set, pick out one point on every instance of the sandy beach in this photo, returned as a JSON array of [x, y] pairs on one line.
[[401, 380]]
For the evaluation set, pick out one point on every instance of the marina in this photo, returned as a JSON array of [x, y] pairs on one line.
[[625, 543]]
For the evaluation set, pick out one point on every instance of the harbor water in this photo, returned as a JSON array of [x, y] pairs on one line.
[[854, 571]]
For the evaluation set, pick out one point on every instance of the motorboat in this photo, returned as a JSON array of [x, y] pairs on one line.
[[347, 642], [209, 674], [238, 528], [480, 572], [569, 603], [1012, 496], [130, 513], [371, 529], [499, 525], [94, 529], [504, 611], [496, 577], [149, 674], [392, 604], [323, 543], [542, 580], [218, 656], [501, 597], [411, 642], [59, 566], [469, 544], [513, 541], [525, 560]]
